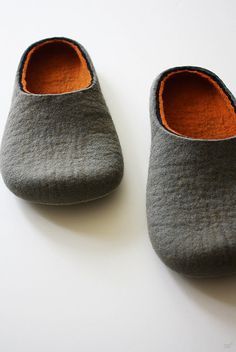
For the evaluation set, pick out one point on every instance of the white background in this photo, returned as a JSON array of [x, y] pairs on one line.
[[85, 278]]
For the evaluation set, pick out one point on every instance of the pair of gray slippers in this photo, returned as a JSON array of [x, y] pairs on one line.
[[60, 146]]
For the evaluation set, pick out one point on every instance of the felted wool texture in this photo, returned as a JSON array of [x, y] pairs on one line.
[[191, 198], [63, 148]]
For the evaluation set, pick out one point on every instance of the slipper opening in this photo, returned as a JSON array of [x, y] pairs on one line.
[[193, 104], [54, 67]]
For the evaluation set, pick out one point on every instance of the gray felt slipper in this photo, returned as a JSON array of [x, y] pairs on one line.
[[191, 190], [60, 145]]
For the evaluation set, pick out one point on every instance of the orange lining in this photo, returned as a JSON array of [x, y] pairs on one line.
[[192, 104], [55, 66]]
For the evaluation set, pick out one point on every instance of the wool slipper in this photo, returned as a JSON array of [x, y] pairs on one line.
[[60, 145], [191, 189]]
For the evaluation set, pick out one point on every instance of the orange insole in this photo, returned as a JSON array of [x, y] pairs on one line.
[[55, 66], [192, 104]]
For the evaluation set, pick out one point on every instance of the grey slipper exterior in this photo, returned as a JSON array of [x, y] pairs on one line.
[[191, 196], [60, 148]]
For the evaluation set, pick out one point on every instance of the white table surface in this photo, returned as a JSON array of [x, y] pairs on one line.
[[85, 278]]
